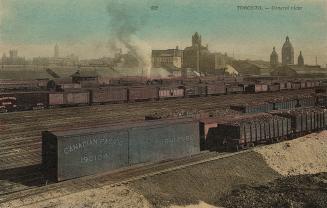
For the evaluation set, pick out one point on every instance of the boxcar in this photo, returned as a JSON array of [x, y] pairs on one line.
[[69, 98], [76, 153], [256, 88], [309, 84], [316, 83], [7, 102], [288, 85], [285, 85], [76, 98], [296, 85], [303, 85], [136, 93], [233, 89], [108, 94], [171, 92], [56, 99], [195, 90], [274, 87], [25, 100], [216, 89]]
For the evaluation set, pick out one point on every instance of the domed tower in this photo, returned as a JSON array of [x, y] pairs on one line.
[[287, 52], [274, 58], [300, 60], [196, 40]]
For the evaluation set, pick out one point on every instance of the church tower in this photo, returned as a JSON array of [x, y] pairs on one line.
[[196, 44], [287, 53], [274, 58], [300, 60]]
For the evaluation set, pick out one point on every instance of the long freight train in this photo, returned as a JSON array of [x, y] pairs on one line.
[[17, 101]]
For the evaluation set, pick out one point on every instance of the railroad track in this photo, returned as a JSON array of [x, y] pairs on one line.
[[24, 128], [31, 195]]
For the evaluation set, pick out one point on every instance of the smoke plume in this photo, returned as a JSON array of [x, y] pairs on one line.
[[126, 19]]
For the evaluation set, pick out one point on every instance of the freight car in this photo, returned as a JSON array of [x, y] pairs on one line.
[[234, 89], [309, 84], [306, 101], [321, 89], [253, 107], [195, 90], [108, 95], [274, 87], [76, 153], [296, 85], [216, 89], [321, 100], [285, 85], [247, 131], [20, 101], [69, 98], [170, 92], [305, 120], [139, 93], [283, 103], [256, 88], [208, 128], [7, 103], [130, 93]]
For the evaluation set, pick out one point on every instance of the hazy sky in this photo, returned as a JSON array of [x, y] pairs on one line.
[[84, 27]]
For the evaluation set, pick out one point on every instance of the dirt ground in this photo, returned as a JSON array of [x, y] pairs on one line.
[[206, 182], [246, 177], [302, 191], [305, 155]]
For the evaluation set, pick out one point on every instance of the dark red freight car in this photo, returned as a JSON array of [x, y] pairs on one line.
[[216, 89], [274, 87], [7, 102], [25, 100], [138, 93], [108, 94], [208, 133]]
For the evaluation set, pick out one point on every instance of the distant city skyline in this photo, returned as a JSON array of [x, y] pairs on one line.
[[84, 28]]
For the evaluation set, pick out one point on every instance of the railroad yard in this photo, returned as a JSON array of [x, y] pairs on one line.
[[23, 182], [163, 104], [21, 131]]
